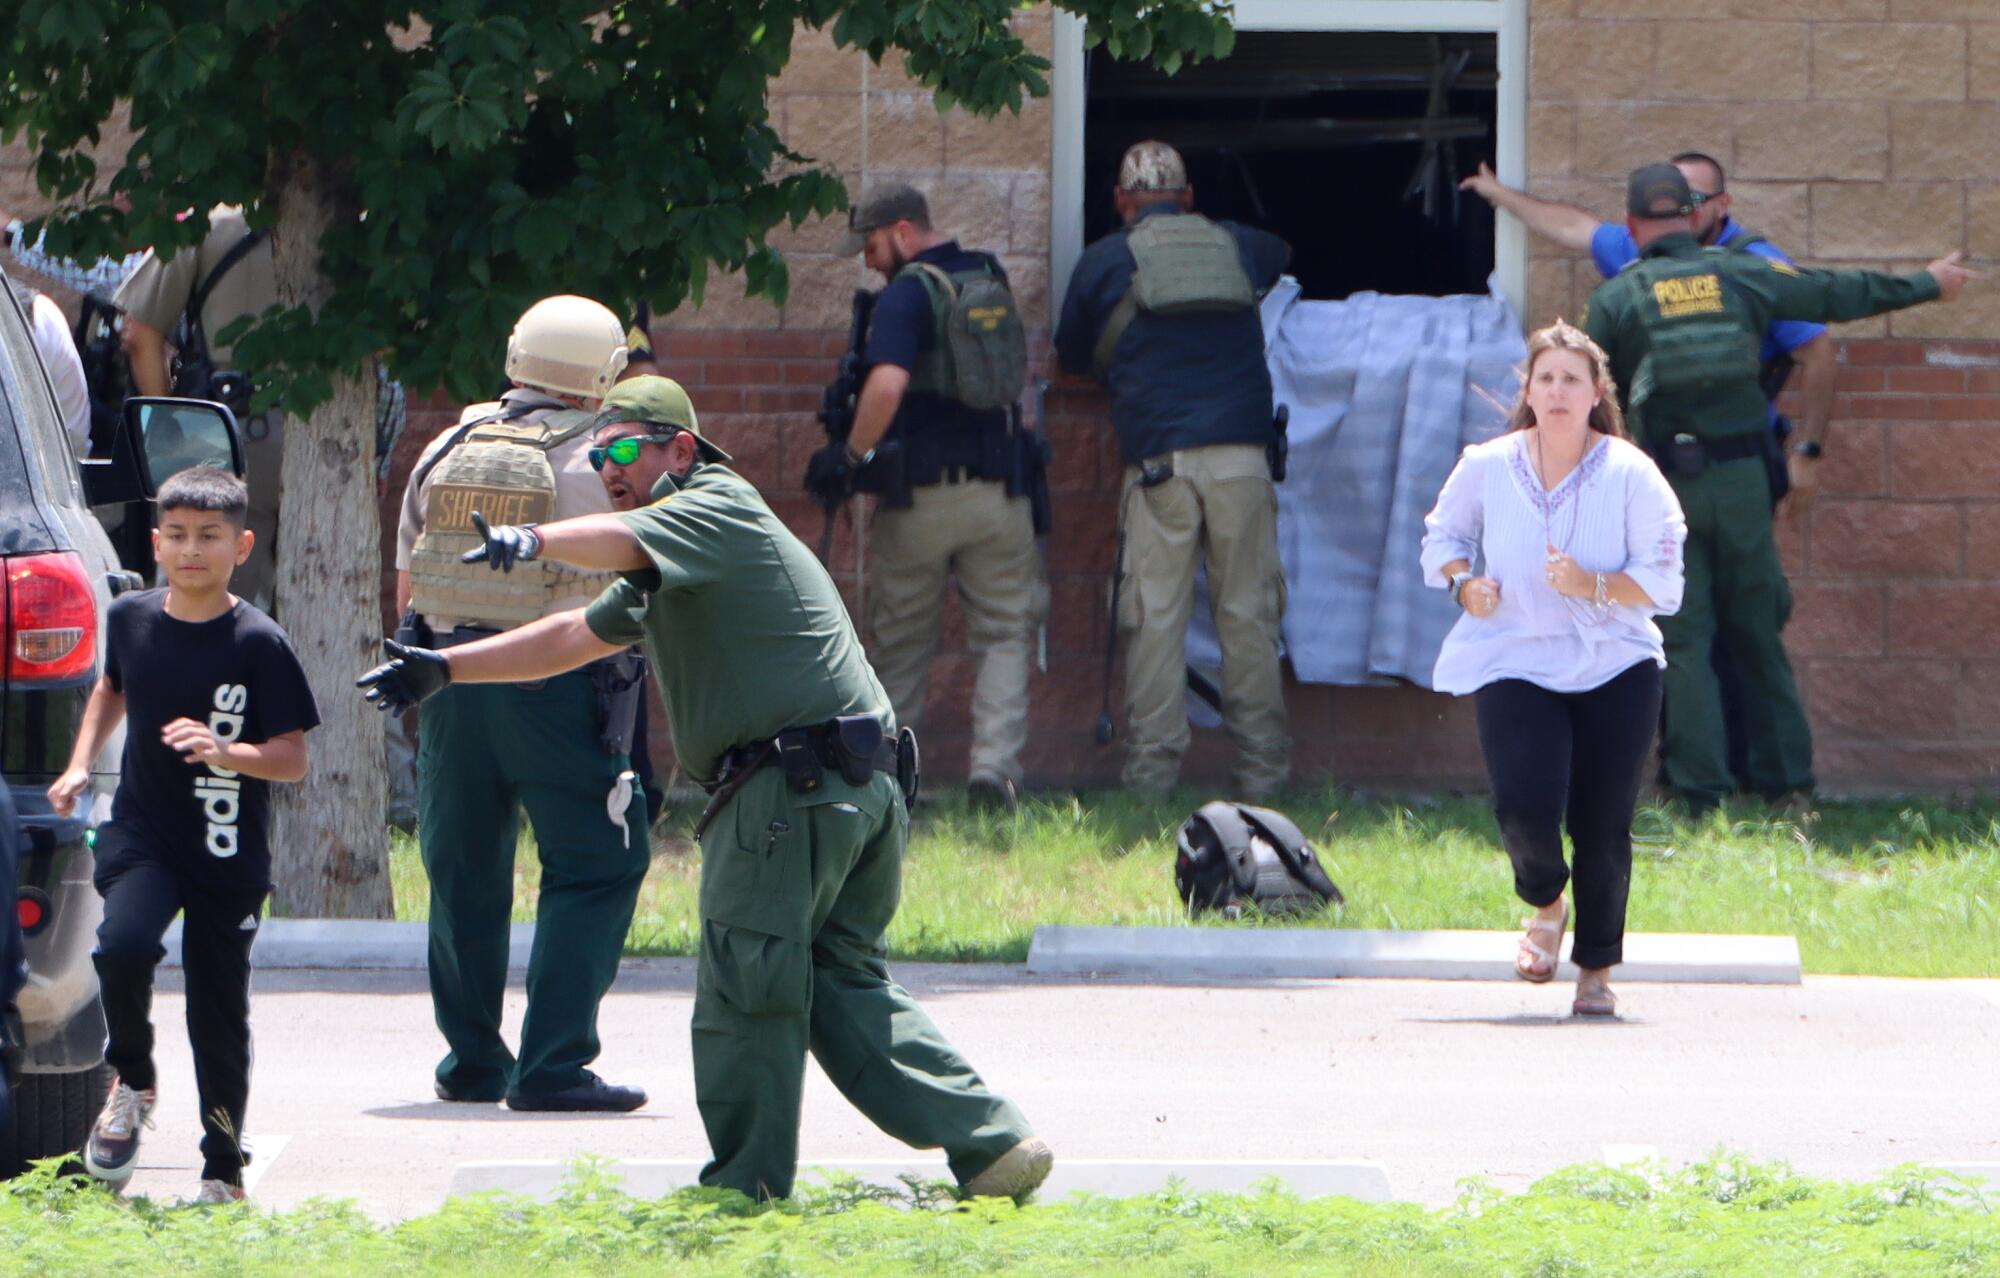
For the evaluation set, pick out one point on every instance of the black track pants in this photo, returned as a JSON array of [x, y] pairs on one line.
[[1575, 760], [141, 898]]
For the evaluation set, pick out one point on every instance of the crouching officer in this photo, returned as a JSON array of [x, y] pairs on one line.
[[775, 710], [934, 436], [556, 747], [1683, 326]]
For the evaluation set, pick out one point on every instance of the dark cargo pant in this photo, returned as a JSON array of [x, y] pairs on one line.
[[796, 894]]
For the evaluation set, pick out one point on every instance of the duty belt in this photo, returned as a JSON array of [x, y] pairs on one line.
[[806, 754]]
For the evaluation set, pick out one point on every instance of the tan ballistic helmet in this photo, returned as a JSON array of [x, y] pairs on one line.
[[568, 346], [1152, 166]]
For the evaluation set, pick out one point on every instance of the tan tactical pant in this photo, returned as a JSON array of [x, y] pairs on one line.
[[1221, 505], [976, 534]]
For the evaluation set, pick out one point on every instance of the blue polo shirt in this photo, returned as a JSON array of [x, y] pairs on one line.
[[1176, 381]]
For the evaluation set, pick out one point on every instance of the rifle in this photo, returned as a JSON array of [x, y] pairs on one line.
[[1035, 455], [836, 409]]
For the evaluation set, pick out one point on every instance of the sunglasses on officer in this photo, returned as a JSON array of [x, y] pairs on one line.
[[625, 450]]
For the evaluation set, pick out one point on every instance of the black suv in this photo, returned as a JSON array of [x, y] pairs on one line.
[[58, 574]]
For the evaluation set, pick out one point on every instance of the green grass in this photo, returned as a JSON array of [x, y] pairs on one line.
[[1722, 1218], [1892, 888]]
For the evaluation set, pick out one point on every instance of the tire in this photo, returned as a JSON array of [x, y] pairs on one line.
[[51, 1114]]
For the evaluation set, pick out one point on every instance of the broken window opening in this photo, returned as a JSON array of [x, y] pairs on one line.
[[1350, 145]]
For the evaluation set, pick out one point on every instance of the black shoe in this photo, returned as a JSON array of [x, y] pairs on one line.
[[467, 1095], [994, 794], [593, 1094]]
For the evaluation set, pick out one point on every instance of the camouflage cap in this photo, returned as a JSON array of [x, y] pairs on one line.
[[1658, 191], [655, 401], [1152, 166], [883, 207]]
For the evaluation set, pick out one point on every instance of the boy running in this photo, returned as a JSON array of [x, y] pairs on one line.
[[218, 707]]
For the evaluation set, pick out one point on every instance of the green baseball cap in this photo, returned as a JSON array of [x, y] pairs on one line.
[[655, 401]]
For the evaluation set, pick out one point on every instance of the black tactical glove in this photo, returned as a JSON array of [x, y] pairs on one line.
[[507, 545], [829, 475], [409, 675]]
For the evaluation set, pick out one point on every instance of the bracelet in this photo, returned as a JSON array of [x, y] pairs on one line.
[[858, 460], [1599, 597], [1457, 587]]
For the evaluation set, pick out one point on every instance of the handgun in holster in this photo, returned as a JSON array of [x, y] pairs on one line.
[[618, 682], [414, 632]]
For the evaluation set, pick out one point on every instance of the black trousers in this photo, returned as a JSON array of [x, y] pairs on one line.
[[1571, 759], [141, 897]]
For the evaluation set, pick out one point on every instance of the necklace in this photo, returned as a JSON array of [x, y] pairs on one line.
[[1549, 496]]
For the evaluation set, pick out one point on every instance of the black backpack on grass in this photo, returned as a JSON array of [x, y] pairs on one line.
[[1232, 854]]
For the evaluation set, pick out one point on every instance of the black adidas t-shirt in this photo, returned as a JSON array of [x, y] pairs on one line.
[[239, 675]]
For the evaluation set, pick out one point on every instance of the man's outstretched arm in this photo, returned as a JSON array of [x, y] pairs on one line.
[[1565, 224], [539, 650], [596, 543]]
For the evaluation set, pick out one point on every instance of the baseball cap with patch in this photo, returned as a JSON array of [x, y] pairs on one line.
[[655, 401], [1152, 166], [1658, 191], [882, 207]]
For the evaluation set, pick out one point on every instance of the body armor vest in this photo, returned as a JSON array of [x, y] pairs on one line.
[[1183, 264], [1698, 344], [500, 468], [980, 354]]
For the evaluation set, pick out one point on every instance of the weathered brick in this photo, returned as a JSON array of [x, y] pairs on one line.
[[1540, 11], [1982, 218], [904, 131], [1028, 214], [1898, 767], [725, 305], [1781, 212], [826, 128], [1984, 54], [1693, 63], [1982, 539], [752, 444], [1551, 285], [1641, 9], [974, 206], [1944, 619], [1897, 219], [1939, 10], [1888, 60], [1953, 140], [1819, 140], [1975, 314], [1899, 539], [1811, 10], [1028, 275], [1882, 699], [1979, 700], [1615, 137], [1571, 61], [1856, 463], [1842, 619], [1006, 141], [1551, 140]]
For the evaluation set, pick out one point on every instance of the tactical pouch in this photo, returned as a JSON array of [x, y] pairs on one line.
[[908, 772], [1155, 472], [1690, 456], [803, 772], [857, 740]]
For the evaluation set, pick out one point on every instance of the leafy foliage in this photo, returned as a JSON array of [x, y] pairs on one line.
[[486, 152], [1723, 1217]]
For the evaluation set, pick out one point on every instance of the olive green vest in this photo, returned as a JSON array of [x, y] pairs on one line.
[[1699, 341], [1182, 264], [980, 355], [501, 469]]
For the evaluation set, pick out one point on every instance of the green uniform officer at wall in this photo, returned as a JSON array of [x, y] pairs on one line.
[[802, 849], [1682, 326], [555, 748]]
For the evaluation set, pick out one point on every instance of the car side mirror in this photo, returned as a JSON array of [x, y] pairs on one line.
[[158, 438]]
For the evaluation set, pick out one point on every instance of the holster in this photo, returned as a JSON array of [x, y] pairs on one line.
[[887, 475], [414, 632], [1279, 450], [618, 682]]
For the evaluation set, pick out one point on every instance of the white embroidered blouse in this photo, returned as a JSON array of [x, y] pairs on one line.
[[1614, 513]]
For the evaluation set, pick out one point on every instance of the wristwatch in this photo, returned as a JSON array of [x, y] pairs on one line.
[[858, 460], [1810, 449], [1457, 587]]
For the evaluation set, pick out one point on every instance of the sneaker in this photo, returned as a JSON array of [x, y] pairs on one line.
[[112, 1152], [592, 1095], [1016, 1173], [993, 794], [217, 1192]]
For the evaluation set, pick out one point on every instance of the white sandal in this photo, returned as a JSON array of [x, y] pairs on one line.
[[1534, 923]]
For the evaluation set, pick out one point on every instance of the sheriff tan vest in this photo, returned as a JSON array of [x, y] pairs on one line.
[[501, 469]]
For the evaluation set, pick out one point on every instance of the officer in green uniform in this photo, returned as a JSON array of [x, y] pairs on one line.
[[1682, 326], [555, 747], [774, 708]]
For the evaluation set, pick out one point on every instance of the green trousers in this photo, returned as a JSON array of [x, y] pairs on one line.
[[1735, 591], [490, 751], [796, 894]]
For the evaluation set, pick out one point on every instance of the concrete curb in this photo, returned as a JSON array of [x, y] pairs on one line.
[[1207, 953], [1118, 1177], [351, 943]]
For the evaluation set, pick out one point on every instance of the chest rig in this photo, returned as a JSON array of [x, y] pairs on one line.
[[498, 466]]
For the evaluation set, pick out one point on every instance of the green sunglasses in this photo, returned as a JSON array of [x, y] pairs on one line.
[[624, 451]]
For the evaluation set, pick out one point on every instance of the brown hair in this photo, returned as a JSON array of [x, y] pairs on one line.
[[1605, 417]]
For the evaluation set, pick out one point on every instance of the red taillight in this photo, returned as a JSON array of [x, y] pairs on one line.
[[32, 908], [51, 617]]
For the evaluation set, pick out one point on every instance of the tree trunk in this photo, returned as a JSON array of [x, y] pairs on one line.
[[330, 843]]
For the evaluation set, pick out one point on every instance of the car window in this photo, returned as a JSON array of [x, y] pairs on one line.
[[43, 444]]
